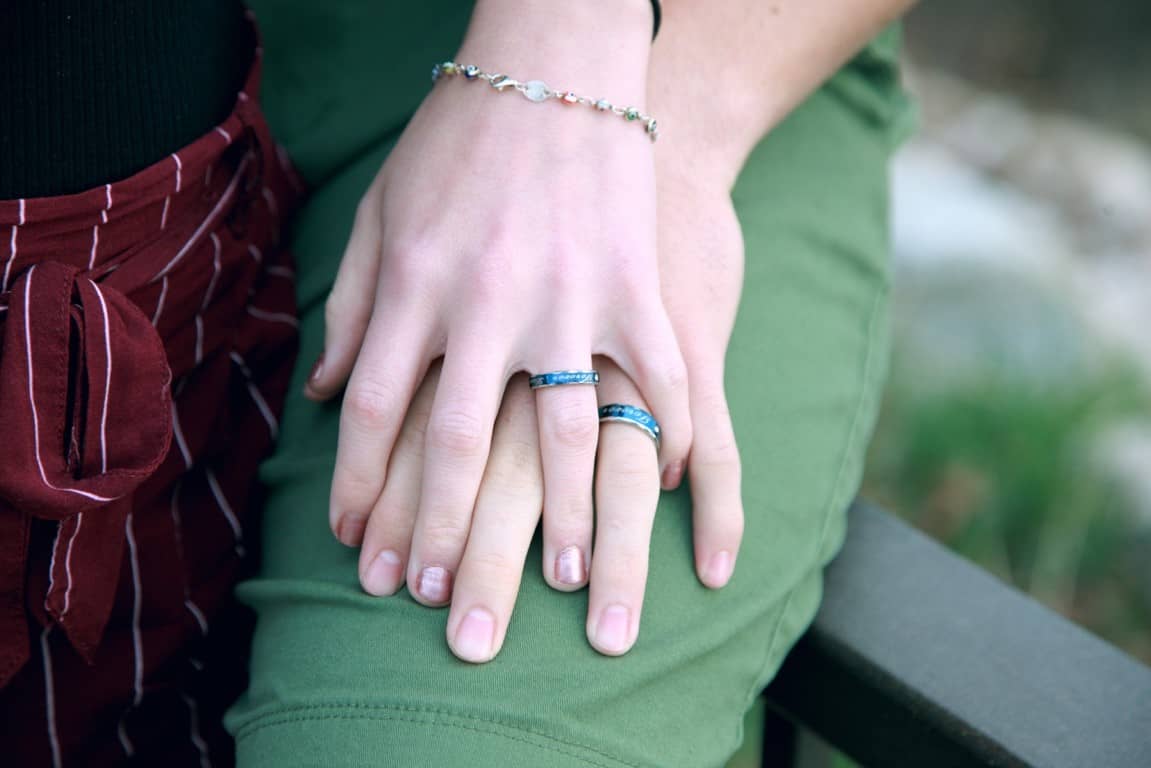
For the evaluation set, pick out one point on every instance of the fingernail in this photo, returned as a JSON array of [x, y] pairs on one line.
[[476, 635], [317, 369], [672, 476], [570, 567], [383, 576], [611, 633], [435, 584], [719, 569]]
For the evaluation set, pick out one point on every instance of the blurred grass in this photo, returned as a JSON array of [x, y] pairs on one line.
[[1009, 474]]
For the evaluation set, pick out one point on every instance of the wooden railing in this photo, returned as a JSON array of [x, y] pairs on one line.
[[919, 658]]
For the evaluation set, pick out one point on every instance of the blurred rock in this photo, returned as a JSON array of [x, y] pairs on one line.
[[1022, 240]]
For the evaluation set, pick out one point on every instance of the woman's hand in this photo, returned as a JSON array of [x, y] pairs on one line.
[[505, 236], [701, 260]]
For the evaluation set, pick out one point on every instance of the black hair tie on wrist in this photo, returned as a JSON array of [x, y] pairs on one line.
[[655, 12]]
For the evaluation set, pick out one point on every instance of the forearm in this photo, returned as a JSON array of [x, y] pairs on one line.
[[599, 48], [725, 73]]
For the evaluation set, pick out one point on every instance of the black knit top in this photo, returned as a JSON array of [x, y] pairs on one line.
[[92, 92]]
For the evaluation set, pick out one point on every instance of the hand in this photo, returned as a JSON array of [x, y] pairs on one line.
[[504, 236], [506, 514], [701, 276]]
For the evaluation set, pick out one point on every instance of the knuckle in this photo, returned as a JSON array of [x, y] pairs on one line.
[[403, 273], [341, 311], [495, 568], [673, 375], [373, 403], [352, 495], [490, 276], [573, 425], [457, 432], [443, 535]]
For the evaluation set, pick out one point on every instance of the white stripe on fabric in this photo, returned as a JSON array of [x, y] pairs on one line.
[[68, 566], [125, 742], [52, 562], [225, 198], [107, 203], [194, 731], [178, 528], [50, 698], [179, 168], [257, 397], [278, 271], [274, 317], [198, 615], [199, 339], [226, 508], [179, 432], [12, 249], [255, 253], [215, 271], [227, 136], [107, 381], [137, 599], [32, 399], [164, 215], [95, 245], [270, 199], [160, 301]]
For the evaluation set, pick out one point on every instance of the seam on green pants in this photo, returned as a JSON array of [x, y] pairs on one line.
[[829, 508], [354, 710]]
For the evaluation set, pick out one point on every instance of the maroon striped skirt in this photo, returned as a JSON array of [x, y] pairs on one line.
[[147, 336]]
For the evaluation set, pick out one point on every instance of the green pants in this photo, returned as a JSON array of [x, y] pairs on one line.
[[340, 678]]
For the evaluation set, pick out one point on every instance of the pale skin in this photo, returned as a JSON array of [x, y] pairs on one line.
[[505, 236]]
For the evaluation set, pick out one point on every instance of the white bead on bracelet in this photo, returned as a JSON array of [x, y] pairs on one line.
[[538, 90]]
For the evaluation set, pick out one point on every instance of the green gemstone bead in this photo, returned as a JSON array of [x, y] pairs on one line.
[[632, 113]]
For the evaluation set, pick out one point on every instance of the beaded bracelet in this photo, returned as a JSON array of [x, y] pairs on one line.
[[538, 90]]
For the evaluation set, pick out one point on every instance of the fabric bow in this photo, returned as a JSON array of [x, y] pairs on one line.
[[85, 417]]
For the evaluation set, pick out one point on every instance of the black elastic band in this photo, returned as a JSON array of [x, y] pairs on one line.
[[655, 12]]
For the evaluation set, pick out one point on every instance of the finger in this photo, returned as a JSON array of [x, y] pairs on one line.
[[569, 430], [388, 537], [457, 444], [714, 470], [348, 308], [507, 511], [391, 364], [626, 494], [652, 360]]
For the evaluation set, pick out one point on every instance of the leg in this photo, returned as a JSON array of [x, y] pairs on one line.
[[343, 678]]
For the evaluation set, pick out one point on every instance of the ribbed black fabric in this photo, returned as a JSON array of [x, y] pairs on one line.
[[92, 91]]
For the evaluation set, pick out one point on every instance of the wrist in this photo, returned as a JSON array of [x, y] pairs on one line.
[[597, 47]]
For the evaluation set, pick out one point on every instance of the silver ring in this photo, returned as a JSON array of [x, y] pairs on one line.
[[563, 378], [637, 417]]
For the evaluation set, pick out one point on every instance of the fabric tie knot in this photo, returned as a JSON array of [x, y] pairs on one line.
[[86, 418]]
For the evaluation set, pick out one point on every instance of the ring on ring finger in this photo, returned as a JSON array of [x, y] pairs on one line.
[[637, 417]]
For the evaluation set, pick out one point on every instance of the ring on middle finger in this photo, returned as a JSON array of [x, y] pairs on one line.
[[563, 378]]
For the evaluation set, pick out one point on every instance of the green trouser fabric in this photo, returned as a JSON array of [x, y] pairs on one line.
[[340, 678]]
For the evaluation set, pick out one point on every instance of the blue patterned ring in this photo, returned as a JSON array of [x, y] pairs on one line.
[[563, 378], [629, 414]]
